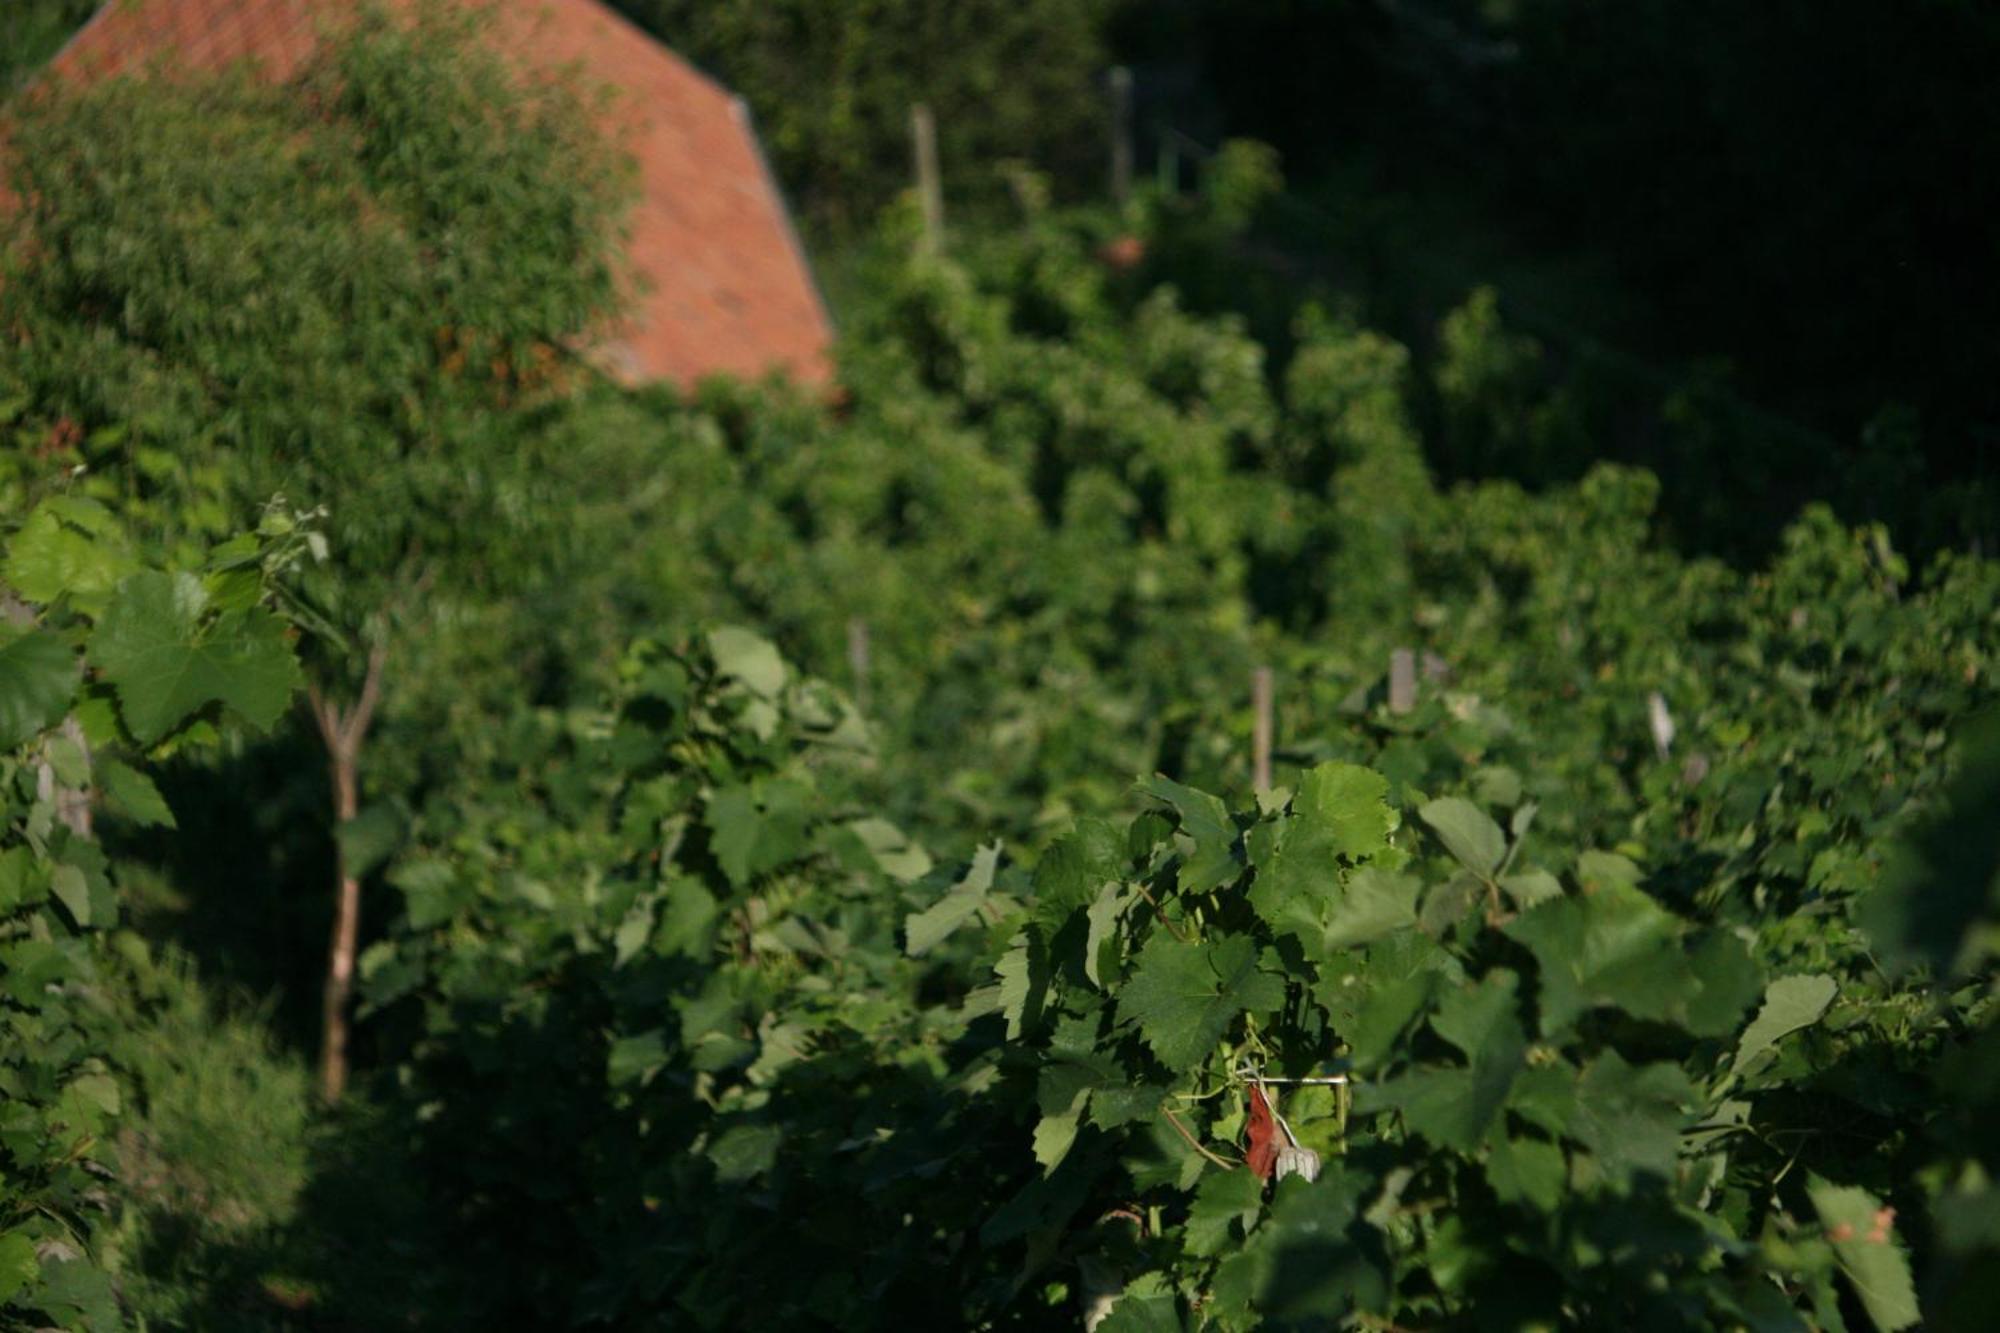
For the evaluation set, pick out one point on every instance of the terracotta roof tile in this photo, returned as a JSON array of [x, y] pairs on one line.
[[723, 285]]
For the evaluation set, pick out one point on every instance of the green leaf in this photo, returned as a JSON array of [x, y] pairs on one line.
[[1023, 972], [1184, 996], [901, 859], [38, 677], [72, 890], [1223, 1202], [133, 794], [1302, 888], [1863, 1235], [24, 879], [757, 827], [1056, 1130], [1467, 832], [1373, 903], [1455, 1107], [925, 930], [1101, 951], [1344, 808], [370, 838], [1631, 1116], [1526, 1170], [68, 761], [636, 1058], [1079, 863], [18, 1266], [1530, 888], [166, 664], [1148, 1305], [744, 1152], [1790, 1003], [1206, 821], [749, 659], [1612, 947], [49, 557]]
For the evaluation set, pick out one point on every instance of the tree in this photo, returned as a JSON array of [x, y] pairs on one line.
[[352, 287], [832, 86]]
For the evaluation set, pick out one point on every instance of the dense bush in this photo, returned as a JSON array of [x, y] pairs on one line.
[[705, 995], [105, 660]]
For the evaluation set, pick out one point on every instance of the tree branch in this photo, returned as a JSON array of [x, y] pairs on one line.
[[1182, 1130], [363, 712]]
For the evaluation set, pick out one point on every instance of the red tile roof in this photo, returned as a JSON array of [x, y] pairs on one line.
[[723, 282]]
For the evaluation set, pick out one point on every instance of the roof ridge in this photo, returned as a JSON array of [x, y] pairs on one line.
[[714, 83], [42, 71]]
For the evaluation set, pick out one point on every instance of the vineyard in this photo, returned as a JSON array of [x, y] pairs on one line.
[[1074, 828]]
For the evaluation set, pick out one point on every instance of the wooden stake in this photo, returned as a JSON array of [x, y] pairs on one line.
[[1121, 134], [857, 660], [923, 144], [1402, 681], [1260, 734]]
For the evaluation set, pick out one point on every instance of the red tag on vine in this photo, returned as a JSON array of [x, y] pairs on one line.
[[1265, 1140]]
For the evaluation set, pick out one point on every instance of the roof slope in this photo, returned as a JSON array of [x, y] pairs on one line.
[[723, 283]]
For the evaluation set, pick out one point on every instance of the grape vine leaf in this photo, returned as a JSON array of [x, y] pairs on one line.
[[749, 658], [1222, 1200], [1301, 887], [1613, 947], [68, 545], [1790, 1003], [166, 664], [1101, 945], [1077, 864], [1206, 821], [925, 930], [18, 1266], [1631, 1116], [38, 675], [1467, 832], [1864, 1240], [1023, 972], [1148, 1305], [757, 826], [1183, 996], [1526, 1170], [1454, 1107], [134, 794]]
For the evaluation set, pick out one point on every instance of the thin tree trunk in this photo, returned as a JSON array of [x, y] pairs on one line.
[[343, 731]]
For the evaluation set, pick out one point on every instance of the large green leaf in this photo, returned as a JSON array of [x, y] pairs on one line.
[[1206, 822], [1863, 1234], [1454, 1107], [925, 930], [168, 661], [749, 658], [1467, 832], [67, 546], [38, 675], [1183, 996], [1613, 947], [134, 794], [1224, 1203], [1790, 1003], [17, 1264], [1302, 887], [1631, 1116]]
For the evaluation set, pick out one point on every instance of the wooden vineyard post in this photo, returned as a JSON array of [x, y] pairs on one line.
[[930, 192], [857, 660], [1121, 134], [1260, 733], [1402, 681]]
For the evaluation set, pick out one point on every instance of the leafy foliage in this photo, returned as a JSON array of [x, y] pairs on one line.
[[98, 654]]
